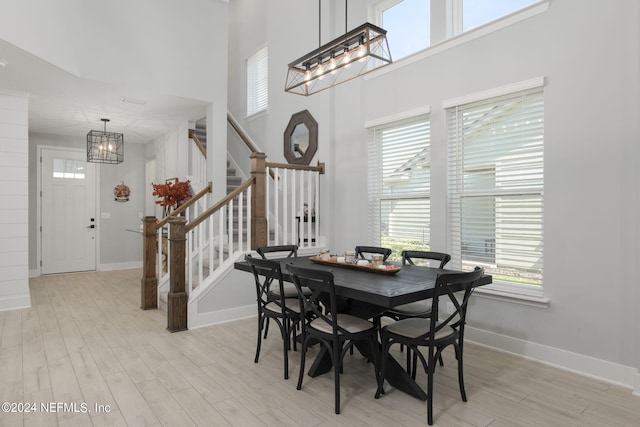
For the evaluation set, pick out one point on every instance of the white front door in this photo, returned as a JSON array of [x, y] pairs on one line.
[[68, 212]]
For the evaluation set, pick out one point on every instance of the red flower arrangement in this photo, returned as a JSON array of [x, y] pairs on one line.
[[172, 193]]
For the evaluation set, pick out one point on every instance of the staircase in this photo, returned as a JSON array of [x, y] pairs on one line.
[[233, 182]]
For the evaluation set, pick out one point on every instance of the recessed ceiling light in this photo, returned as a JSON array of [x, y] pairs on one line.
[[133, 101], [3, 63]]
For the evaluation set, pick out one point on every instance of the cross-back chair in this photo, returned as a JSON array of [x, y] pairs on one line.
[[421, 309], [434, 334], [338, 332], [286, 313]]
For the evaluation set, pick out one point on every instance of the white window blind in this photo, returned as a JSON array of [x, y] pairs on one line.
[[496, 188], [399, 184], [258, 81]]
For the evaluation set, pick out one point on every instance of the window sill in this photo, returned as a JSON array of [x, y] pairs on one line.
[[472, 34], [500, 295], [257, 115]]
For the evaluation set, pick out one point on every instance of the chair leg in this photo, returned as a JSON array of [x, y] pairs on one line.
[[337, 369], [384, 353], [260, 326], [430, 368], [285, 340], [266, 328], [303, 352], [463, 393]]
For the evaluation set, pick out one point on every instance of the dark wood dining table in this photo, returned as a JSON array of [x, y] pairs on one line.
[[370, 293]]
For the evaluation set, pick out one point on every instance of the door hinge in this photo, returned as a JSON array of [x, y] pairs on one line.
[[40, 263]]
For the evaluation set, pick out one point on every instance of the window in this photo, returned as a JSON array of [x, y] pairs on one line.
[[258, 82], [407, 23], [68, 168], [399, 184], [496, 187], [478, 12], [414, 25]]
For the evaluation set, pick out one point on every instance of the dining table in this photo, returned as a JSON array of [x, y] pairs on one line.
[[367, 293]]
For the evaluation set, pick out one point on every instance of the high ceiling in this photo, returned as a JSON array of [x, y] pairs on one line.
[[66, 105]]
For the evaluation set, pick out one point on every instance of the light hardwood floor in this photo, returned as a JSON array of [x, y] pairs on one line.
[[85, 341]]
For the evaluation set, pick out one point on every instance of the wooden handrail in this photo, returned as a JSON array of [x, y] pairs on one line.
[[184, 207], [319, 168], [192, 135], [236, 126], [213, 209]]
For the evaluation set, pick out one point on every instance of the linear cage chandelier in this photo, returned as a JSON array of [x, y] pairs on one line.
[[357, 52], [105, 147]]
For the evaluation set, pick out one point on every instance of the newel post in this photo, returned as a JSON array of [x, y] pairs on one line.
[[177, 298], [259, 230], [149, 282]]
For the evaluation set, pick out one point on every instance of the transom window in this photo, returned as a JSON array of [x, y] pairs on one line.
[[478, 12], [496, 187], [414, 25], [68, 168], [399, 185], [408, 26]]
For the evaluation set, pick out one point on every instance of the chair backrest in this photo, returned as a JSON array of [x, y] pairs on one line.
[[409, 257], [447, 286], [269, 270], [290, 250], [362, 250], [323, 294]]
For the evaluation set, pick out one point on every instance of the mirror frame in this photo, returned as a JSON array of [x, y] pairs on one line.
[[305, 118]]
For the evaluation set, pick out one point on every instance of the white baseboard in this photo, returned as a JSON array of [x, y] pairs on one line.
[[15, 302], [120, 266], [625, 376]]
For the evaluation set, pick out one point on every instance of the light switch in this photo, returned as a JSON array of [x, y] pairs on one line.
[[105, 215]]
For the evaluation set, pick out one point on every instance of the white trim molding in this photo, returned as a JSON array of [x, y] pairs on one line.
[[625, 376]]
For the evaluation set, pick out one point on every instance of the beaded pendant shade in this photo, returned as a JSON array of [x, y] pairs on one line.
[[105, 147]]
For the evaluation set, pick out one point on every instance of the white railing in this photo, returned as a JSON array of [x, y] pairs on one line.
[[293, 206], [215, 235], [163, 252]]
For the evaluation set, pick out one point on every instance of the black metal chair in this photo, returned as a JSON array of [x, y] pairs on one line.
[[363, 251], [421, 309], [280, 251], [418, 308], [433, 333], [285, 313], [338, 332]]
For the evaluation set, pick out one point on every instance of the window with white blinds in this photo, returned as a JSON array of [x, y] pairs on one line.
[[399, 185], [496, 188], [258, 81]]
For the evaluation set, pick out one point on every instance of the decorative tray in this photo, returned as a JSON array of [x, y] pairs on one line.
[[388, 268]]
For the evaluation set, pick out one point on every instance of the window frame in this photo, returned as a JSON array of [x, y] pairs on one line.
[[531, 295]]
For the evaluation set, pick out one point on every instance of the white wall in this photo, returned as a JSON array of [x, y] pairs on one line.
[[14, 233], [588, 55]]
